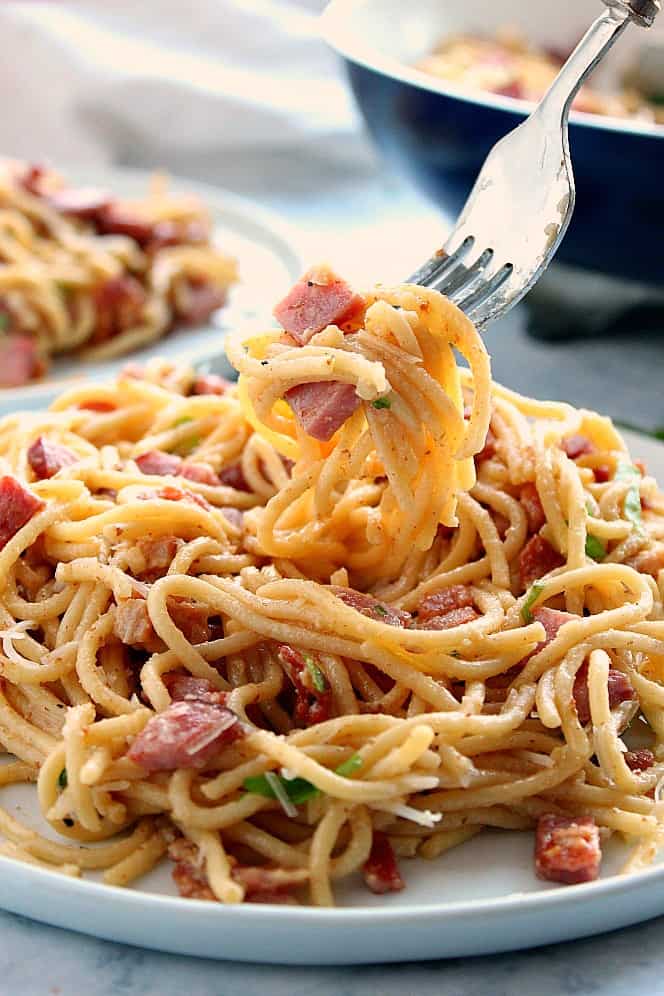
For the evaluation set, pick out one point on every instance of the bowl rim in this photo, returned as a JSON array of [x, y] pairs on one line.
[[337, 29]]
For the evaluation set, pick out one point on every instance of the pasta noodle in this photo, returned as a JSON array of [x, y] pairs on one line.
[[286, 648], [83, 270]]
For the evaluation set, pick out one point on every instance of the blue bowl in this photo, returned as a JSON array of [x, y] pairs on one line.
[[438, 135]]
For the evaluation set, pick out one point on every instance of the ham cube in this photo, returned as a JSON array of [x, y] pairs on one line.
[[322, 407], [536, 559], [380, 870], [530, 499], [210, 384], [371, 607], [201, 473], [186, 735], [567, 849], [320, 298], [159, 463], [619, 685], [17, 506], [19, 360], [85, 203], [576, 446], [46, 458], [457, 596]]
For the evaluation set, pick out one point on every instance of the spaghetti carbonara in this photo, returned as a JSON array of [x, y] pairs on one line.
[[83, 270], [354, 609]]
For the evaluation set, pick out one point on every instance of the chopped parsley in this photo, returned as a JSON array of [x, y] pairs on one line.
[[533, 594], [62, 779], [318, 679], [350, 766], [595, 549], [297, 790], [383, 402], [380, 610], [4, 321], [182, 421]]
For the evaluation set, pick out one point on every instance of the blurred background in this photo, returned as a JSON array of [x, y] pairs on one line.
[[246, 95]]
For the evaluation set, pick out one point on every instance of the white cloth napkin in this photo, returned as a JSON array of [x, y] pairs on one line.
[[234, 83]]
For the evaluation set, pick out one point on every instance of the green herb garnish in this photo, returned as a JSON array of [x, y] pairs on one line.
[[381, 403], [595, 549], [62, 779], [380, 610], [318, 679], [350, 766], [533, 594], [298, 790], [182, 421], [5, 321]]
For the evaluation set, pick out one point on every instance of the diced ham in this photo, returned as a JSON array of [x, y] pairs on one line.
[[577, 446], [32, 178], [567, 849], [552, 620], [488, 451], [132, 625], [639, 760], [649, 561], [186, 687], [201, 473], [119, 305], [320, 298], [158, 553], [85, 203], [457, 596], [323, 406], [536, 559], [210, 384], [313, 696], [262, 884], [175, 233], [196, 300], [380, 870], [188, 734], [17, 506], [372, 607], [448, 620], [602, 473], [19, 360], [234, 515], [46, 458], [619, 685], [115, 219], [159, 463], [530, 499], [512, 89], [233, 477], [189, 617]]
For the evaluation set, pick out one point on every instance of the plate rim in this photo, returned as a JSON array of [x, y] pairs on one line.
[[336, 25]]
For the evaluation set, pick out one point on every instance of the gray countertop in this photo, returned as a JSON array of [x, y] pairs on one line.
[[44, 961], [619, 374]]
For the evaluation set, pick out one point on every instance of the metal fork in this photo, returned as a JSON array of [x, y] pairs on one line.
[[523, 199]]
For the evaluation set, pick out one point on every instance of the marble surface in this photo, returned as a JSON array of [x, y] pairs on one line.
[[45, 961], [374, 230]]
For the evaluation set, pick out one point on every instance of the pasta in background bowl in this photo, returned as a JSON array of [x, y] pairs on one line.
[[438, 133]]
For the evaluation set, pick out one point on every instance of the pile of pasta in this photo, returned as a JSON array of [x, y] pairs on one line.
[[81, 269], [283, 650]]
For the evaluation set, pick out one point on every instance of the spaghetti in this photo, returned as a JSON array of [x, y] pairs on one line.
[[358, 607], [83, 270]]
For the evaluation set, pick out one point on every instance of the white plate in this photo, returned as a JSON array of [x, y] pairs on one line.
[[268, 264], [479, 898]]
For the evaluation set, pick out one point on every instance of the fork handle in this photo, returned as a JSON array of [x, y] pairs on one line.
[[553, 109]]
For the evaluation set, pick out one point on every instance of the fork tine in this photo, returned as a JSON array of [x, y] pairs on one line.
[[440, 263], [464, 278], [480, 302]]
